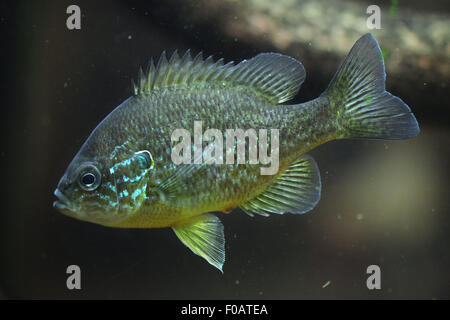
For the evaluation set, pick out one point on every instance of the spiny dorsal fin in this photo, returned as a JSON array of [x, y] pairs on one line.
[[296, 190], [275, 76]]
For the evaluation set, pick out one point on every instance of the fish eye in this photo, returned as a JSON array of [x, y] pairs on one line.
[[145, 159], [89, 178]]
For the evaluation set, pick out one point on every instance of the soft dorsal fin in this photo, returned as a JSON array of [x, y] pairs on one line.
[[275, 76], [296, 190]]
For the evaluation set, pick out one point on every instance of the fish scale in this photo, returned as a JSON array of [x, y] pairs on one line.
[[196, 106]]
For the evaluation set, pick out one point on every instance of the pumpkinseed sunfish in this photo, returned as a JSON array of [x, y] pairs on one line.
[[124, 174]]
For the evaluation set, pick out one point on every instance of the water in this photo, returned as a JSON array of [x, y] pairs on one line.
[[383, 203]]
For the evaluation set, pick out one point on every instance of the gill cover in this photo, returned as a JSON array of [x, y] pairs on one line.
[[131, 177]]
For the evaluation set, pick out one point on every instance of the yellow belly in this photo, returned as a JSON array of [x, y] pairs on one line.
[[165, 216]]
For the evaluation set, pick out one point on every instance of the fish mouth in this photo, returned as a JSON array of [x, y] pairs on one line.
[[63, 201]]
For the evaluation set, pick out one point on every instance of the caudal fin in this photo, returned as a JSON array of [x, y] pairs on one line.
[[365, 108]]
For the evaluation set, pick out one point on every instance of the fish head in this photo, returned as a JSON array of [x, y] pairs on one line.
[[104, 189], [87, 192]]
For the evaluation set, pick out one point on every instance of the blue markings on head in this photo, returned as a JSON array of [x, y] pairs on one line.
[[124, 163], [130, 179], [118, 148], [124, 193], [135, 179], [109, 185], [136, 194], [99, 200]]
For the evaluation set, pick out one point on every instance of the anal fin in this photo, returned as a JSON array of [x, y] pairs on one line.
[[296, 190], [204, 236]]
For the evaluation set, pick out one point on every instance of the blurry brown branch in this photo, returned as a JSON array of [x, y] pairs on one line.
[[413, 42]]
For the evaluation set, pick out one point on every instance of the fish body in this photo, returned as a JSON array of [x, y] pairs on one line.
[[125, 175], [215, 187]]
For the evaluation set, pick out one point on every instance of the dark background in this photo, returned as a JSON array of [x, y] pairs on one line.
[[383, 203]]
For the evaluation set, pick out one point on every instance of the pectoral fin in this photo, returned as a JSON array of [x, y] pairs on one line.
[[204, 236], [177, 182], [296, 190]]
